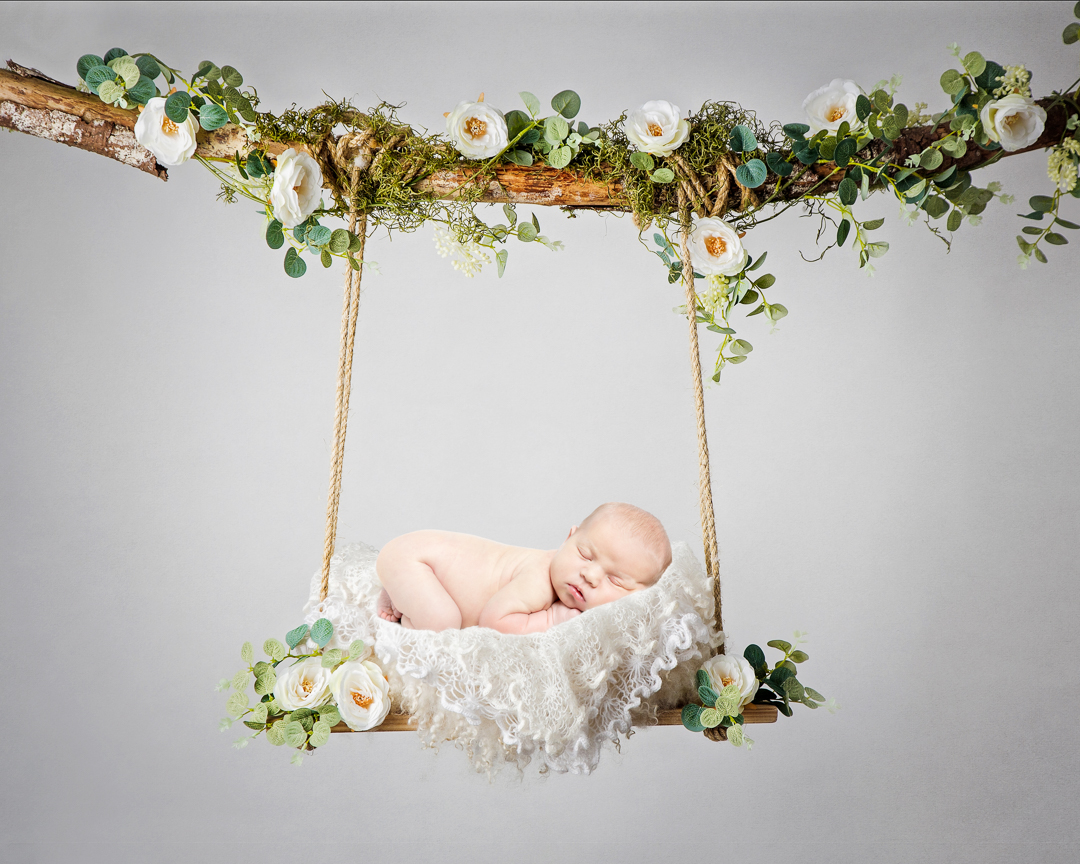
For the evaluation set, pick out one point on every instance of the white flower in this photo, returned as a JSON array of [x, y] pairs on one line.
[[466, 258], [361, 693], [715, 248], [725, 669], [297, 186], [477, 130], [657, 128], [1014, 121], [833, 104], [303, 685], [171, 143]]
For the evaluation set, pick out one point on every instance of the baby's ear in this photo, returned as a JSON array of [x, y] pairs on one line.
[[572, 530]]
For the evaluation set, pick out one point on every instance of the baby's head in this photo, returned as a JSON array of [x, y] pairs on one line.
[[616, 550]]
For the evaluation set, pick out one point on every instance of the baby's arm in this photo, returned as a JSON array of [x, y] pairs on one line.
[[524, 605]]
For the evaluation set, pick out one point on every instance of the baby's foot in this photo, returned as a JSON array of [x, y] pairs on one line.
[[386, 608]]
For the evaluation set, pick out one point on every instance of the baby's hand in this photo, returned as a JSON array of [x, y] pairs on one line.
[[560, 613]]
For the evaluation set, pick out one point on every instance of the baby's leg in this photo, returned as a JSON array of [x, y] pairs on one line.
[[416, 596]]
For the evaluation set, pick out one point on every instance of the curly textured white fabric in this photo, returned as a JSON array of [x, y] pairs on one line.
[[556, 696]]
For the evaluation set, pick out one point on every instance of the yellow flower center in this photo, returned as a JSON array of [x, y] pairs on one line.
[[361, 700], [835, 113], [475, 127], [168, 127], [1011, 120], [655, 130], [726, 680], [716, 247], [306, 685]]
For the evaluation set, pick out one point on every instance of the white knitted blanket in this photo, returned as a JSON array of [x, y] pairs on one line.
[[558, 696]]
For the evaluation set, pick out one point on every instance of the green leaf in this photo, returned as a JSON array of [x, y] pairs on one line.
[[988, 79], [779, 644], [500, 261], [863, 107], [691, 718], [848, 192], [208, 71], [777, 164], [1064, 223], [793, 689], [710, 718], [935, 206], [764, 282], [98, 75], [275, 239], [707, 695], [740, 347], [86, 63], [331, 658], [881, 99], [247, 652], [531, 102], [518, 157], [114, 53], [1055, 239], [749, 297], [322, 631], [752, 174], [110, 91], [1039, 255], [872, 224], [237, 704], [1041, 203], [955, 218], [796, 131], [742, 140], [952, 82], [354, 244], [176, 107], [560, 157], [127, 69], [265, 683], [567, 103], [799, 657], [231, 77], [295, 266], [143, 91], [642, 161], [276, 733], [703, 679], [842, 231], [258, 714], [148, 66], [339, 241], [1071, 33], [555, 130], [318, 235], [813, 694], [240, 680], [516, 123], [326, 259], [844, 152], [526, 232], [930, 158], [756, 658], [274, 650], [876, 250], [295, 734], [212, 117], [662, 175], [891, 128], [320, 733], [777, 311], [974, 63]]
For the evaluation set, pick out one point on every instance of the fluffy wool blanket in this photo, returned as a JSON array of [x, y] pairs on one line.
[[557, 697]]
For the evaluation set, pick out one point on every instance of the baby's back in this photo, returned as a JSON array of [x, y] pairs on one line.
[[470, 569]]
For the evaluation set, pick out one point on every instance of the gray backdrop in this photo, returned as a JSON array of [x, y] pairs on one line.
[[895, 467]]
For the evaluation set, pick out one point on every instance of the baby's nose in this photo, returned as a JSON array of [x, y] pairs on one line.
[[591, 576]]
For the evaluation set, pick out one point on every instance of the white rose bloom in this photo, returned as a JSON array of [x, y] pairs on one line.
[[361, 693], [297, 186], [833, 104], [303, 685], [1014, 121], [656, 128], [715, 248], [477, 130], [725, 669], [171, 143]]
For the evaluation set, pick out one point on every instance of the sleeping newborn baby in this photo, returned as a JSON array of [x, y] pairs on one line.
[[439, 580]]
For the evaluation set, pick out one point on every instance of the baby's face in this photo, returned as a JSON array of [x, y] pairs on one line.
[[599, 563]]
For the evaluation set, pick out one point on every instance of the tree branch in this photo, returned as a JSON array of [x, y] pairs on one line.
[[37, 105]]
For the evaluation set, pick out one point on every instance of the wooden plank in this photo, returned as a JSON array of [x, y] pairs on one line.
[[751, 714]]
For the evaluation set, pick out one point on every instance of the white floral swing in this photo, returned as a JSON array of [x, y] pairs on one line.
[[558, 696]]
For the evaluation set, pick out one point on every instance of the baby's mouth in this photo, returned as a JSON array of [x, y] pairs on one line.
[[577, 593]]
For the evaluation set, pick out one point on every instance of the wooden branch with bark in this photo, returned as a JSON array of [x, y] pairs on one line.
[[33, 103]]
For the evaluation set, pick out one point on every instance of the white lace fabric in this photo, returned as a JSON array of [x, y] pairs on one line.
[[558, 696]]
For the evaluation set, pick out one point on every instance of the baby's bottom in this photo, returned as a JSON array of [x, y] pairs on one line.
[[419, 601]]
